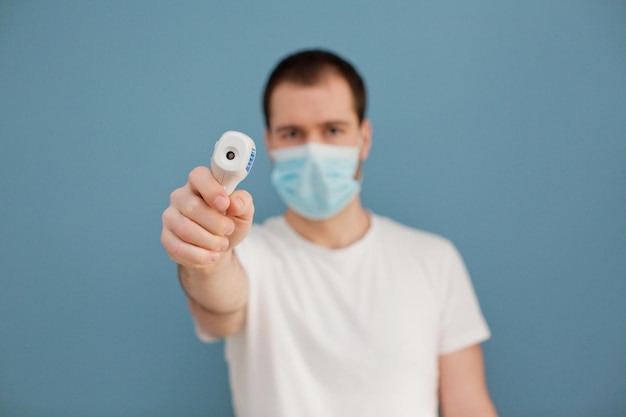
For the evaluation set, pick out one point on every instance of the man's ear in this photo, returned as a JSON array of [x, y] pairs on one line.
[[366, 137]]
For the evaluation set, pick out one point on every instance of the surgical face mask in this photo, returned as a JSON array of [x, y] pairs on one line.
[[316, 180]]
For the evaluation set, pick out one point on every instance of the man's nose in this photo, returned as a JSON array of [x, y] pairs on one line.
[[313, 137]]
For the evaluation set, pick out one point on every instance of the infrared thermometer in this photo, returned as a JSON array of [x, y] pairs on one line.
[[232, 159]]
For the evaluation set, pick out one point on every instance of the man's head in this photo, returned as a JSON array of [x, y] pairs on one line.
[[310, 67], [316, 134]]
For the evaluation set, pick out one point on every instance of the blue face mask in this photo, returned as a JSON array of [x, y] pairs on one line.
[[316, 180]]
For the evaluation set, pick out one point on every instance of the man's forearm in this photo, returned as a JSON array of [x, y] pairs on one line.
[[219, 290]]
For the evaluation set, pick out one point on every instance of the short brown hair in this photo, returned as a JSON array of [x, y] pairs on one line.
[[307, 67]]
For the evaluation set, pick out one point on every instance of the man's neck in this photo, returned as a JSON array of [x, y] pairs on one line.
[[339, 231]]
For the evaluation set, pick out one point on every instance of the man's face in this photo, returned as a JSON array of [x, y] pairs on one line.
[[322, 113]]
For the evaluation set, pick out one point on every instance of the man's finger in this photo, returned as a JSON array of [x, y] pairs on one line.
[[241, 206], [185, 253], [202, 182], [191, 232], [193, 207]]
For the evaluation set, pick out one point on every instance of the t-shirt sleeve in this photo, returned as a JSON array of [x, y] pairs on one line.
[[462, 322]]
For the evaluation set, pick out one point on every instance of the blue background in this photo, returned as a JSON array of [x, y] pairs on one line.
[[500, 125]]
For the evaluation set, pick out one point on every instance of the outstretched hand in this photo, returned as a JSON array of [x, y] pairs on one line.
[[202, 222]]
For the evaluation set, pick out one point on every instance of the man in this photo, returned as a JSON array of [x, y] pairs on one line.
[[329, 310]]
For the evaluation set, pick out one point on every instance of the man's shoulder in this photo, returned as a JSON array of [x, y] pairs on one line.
[[409, 242]]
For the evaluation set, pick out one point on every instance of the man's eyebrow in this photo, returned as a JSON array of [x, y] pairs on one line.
[[335, 123], [279, 129], [286, 127]]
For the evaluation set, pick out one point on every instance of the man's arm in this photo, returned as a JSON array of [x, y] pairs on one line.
[[462, 386], [217, 301], [201, 227]]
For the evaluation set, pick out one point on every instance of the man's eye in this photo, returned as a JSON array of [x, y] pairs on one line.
[[290, 134], [333, 131]]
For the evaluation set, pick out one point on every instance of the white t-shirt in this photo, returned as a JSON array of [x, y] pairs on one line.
[[349, 332]]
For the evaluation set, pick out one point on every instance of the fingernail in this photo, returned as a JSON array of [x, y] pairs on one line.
[[225, 244], [220, 203]]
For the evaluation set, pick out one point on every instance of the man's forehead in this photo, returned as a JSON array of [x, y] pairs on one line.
[[328, 100]]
